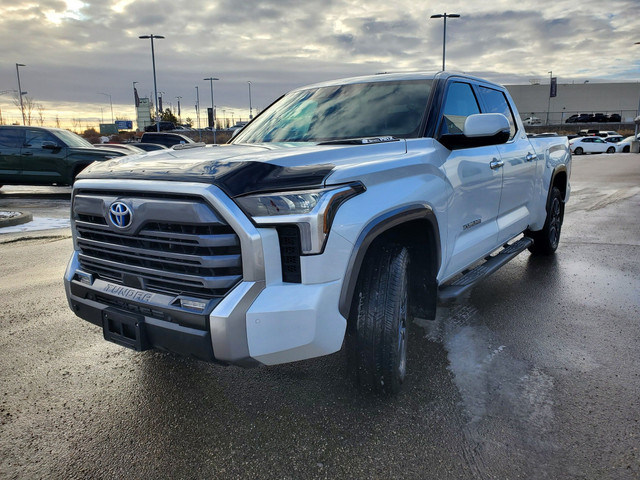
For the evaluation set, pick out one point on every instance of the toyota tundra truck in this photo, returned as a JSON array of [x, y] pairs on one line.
[[342, 211]]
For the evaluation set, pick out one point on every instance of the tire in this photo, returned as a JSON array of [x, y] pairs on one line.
[[578, 151], [546, 240], [377, 348], [611, 150], [626, 149]]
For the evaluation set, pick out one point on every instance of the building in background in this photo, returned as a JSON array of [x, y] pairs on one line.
[[571, 99]]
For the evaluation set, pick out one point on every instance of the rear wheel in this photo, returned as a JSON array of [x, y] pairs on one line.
[[377, 348], [578, 151], [546, 240]]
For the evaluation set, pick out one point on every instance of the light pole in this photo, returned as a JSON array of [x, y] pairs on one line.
[[549, 102], [444, 34], [637, 111], [110, 103], [213, 107], [250, 114], [178, 98], [18, 65], [198, 111], [136, 103], [155, 86]]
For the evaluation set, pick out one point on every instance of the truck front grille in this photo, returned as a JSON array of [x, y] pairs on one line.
[[175, 246]]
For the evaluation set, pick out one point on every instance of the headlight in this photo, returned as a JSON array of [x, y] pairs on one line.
[[311, 210]]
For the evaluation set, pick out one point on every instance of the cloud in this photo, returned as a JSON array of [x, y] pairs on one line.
[[74, 48]]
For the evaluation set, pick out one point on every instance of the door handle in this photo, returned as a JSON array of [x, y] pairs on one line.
[[495, 164], [531, 157]]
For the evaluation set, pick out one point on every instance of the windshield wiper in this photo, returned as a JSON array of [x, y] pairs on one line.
[[360, 141]]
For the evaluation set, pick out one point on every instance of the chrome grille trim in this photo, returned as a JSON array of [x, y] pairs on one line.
[[177, 244]]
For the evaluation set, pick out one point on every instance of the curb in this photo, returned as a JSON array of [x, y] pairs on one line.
[[16, 220]]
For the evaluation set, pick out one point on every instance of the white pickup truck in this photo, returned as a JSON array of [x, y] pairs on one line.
[[339, 213]]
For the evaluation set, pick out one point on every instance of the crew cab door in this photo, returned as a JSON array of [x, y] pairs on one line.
[[43, 157], [476, 179], [11, 140], [518, 170]]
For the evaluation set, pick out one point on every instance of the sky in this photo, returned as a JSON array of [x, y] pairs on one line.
[[75, 51]]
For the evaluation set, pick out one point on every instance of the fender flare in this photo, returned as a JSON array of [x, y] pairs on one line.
[[373, 230]]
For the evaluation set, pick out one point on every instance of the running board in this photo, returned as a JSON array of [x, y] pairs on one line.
[[482, 271]]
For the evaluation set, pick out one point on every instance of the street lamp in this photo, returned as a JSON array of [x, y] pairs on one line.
[[213, 107], [155, 86], [250, 114], [18, 65], [444, 34], [198, 111], [178, 98], [110, 103], [637, 111], [549, 102]]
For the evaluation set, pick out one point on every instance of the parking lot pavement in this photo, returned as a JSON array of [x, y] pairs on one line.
[[533, 375]]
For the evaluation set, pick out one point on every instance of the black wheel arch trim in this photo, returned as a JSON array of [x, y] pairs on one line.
[[558, 170], [373, 230]]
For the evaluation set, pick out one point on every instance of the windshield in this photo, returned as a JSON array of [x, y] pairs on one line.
[[71, 139], [343, 112]]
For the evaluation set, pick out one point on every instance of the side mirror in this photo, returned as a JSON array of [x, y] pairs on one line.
[[50, 146], [479, 130], [486, 125]]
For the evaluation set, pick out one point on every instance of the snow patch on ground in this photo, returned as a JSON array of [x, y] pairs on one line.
[[38, 223]]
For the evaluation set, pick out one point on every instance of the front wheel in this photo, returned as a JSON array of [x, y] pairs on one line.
[[378, 346], [578, 151], [611, 150], [545, 241]]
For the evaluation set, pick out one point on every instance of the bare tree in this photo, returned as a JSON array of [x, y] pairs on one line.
[[40, 108], [57, 121], [28, 105]]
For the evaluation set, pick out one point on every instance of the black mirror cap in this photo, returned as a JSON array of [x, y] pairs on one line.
[[459, 141]]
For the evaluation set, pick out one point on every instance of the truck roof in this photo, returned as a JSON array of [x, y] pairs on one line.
[[390, 77]]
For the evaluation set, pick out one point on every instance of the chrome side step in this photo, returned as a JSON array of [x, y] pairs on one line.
[[492, 263]]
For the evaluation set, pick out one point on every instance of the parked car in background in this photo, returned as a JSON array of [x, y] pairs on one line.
[[572, 119], [531, 121], [149, 147], [600, 118], [166, 139], [614, 138], [585, 118], [164, 126], [608, 133], [582, 145], [615, 117], [127, 149], [45, 156], [624, 146]]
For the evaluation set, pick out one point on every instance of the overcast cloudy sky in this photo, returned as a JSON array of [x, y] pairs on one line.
[[74, 49]]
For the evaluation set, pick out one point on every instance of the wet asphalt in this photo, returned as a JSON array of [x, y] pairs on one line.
[[535, 374]]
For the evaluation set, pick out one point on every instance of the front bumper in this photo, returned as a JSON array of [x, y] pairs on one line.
[[254, 324]]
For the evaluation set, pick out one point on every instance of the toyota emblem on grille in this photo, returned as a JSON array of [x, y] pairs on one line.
[[120, 215]]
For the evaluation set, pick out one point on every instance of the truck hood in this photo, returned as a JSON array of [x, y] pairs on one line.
[[243, 169], [95, 151]]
